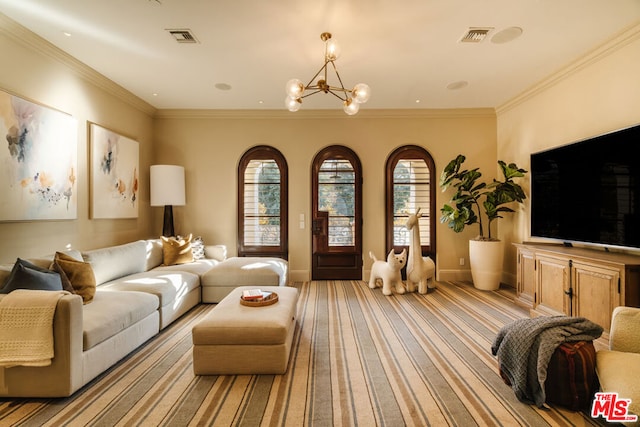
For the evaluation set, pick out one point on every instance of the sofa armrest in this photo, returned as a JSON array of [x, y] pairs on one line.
[[217, 252], [625, 329], [64, 375]]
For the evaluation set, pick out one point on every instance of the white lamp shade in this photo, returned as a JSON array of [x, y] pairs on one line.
[[167, 185]]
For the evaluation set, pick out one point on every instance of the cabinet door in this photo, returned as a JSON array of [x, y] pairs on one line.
[[552, 285], [596, 293], [526, 277]]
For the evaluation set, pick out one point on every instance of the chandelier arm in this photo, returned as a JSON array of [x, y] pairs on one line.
[[337, 96], [339, 79], [312, 93], [340, 89], [324, 67]]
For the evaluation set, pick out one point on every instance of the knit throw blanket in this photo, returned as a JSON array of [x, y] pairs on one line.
[[26, 327], [524, 349]]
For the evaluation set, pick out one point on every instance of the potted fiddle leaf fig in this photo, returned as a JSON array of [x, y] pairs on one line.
[[472, 203]]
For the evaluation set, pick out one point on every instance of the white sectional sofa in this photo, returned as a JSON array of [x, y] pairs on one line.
[[136, 297]]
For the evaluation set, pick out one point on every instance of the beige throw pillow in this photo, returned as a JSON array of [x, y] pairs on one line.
[[176, 250], [80, 274]]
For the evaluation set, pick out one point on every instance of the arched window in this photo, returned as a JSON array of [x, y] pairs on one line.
[[262, 203], [410, 184]]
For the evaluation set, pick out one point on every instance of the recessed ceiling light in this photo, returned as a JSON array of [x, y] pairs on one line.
[[155, 94], [458, 85], [66, 33], [506, 35], [417, 101], [223, 86]]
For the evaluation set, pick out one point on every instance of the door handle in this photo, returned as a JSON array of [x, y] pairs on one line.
[[316, 227]]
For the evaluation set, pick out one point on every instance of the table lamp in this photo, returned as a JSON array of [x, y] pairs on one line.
[[167, 189]]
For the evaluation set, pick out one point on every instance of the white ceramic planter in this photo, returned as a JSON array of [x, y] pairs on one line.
[[486, 258]]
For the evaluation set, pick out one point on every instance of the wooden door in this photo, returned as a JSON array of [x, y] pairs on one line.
[[552, 286], [336, 215], [596, 292], [526, 279]]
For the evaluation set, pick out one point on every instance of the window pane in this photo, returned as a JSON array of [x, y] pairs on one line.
[[411, 183], [262, 203], [336, 195]]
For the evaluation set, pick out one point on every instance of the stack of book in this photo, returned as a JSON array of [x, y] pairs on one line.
[[255, 295]]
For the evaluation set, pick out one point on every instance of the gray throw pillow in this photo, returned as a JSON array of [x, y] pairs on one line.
[[25, 275]]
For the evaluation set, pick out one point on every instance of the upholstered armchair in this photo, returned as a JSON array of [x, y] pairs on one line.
[[618, 368]]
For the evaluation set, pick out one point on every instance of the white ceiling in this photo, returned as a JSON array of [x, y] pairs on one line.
[[406, 50]]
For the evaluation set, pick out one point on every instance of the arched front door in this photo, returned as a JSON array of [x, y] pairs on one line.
[[336, 214]]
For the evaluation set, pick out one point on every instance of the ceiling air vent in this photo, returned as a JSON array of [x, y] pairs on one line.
[[475, 34], [183, 36]]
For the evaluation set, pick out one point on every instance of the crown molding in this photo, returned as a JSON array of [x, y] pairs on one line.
[[25, 37], [325, 114], [617, 42]]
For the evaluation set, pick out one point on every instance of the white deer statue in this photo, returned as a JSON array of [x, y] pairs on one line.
[[420, 270]]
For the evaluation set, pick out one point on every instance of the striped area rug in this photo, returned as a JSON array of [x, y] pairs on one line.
[[358, 358]]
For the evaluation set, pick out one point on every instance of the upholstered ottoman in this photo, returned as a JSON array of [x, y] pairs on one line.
[[257, 272], [234, 339]]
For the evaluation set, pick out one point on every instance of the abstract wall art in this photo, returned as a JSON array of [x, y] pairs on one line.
[[38, 164], [114, 174]]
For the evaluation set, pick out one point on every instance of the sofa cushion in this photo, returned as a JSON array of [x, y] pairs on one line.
[[167, 286], [154, 253], [45, 261], [176, 250], [25, 275], [619, 372], [217, 252], [117, 261], [113, 312], [79, 273], [258, 271], [198, 267]]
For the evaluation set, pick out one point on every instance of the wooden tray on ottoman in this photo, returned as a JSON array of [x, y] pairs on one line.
[[272, 298]]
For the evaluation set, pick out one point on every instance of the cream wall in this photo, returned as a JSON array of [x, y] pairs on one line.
[[35, 70], [209, 145], [597, 94]]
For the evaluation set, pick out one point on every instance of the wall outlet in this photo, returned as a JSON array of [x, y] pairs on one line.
[[461, 261]]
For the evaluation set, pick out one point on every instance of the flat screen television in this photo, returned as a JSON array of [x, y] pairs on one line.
[[589, 191]]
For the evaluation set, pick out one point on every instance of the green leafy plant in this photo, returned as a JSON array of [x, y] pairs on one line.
[[473, 199]]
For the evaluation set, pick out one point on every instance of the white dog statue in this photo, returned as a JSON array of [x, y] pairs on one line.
[[388, 272], [420, 270]]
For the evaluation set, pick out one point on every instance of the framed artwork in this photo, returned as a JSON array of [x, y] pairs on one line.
[[114, 174], [38, 164]]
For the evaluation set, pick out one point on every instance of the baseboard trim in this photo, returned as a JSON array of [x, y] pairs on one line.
[[299, 276], [454, 275]]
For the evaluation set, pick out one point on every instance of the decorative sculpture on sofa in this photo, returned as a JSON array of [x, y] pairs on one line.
[[388, 272], [420, 270]]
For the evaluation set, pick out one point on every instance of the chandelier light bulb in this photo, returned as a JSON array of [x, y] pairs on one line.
[[292, 104], [351, 107], [361, 93], [332, 50], [294, 88]]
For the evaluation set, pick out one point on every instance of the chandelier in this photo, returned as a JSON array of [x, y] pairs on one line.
[[351, 98]]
